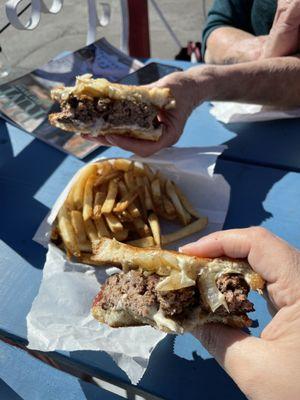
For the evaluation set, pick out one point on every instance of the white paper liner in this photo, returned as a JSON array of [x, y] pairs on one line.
[[60, 317]]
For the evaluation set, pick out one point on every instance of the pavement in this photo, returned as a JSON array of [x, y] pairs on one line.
[[66, 30]]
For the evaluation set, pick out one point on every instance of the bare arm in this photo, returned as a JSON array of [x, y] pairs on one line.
[[273, 81], [227, 45]]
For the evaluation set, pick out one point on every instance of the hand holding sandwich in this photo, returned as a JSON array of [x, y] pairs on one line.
[[173, 120], [267, 367]]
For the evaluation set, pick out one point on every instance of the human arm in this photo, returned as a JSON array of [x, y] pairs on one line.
[[265, 368], [273, 81], [227, 36], [228, 45]]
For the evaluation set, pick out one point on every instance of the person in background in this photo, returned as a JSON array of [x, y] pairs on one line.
[[265, 69], [267, 367], [248, 30], [236, 30]]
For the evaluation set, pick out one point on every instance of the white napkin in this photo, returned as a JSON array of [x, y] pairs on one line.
[[230, 112]]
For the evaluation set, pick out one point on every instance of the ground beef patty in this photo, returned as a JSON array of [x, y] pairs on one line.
[[114, 112], [135, 291], [235, 290]]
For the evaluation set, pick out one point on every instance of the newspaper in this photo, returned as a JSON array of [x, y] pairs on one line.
[[26, 103]]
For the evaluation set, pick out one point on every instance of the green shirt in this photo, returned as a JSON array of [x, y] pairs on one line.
[[253, 16]]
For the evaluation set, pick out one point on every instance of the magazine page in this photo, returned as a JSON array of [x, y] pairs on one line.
[[26, 101]]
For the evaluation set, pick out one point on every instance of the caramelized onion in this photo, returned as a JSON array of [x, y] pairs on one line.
[[208, 276]]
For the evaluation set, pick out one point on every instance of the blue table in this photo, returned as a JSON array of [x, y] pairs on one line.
[[33, 174], [25, 377]]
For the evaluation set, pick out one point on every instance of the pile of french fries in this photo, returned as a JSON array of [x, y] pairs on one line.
[[125, 200]]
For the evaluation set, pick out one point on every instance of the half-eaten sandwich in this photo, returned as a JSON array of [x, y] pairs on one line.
[[98, 107], [171, 291]]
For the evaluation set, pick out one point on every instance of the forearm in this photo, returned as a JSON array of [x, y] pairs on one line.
[[225, 46], [274, 81]]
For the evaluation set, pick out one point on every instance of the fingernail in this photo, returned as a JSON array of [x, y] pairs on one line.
[[186, 246]]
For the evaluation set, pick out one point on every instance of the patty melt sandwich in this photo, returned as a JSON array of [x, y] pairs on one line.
[[171, 291], [99, 107]]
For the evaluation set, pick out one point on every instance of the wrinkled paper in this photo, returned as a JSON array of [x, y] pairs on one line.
[[230, 112], [60, 317]]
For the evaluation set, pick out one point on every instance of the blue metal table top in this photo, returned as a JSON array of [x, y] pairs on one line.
[[25, 377], [33, 174]]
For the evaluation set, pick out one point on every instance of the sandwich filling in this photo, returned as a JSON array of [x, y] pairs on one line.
[[113, 112], [136, 292]]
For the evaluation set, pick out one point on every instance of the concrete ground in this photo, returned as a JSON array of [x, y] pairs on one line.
[[67, 31]]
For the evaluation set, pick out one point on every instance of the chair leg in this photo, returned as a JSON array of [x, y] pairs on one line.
[[138, 28]]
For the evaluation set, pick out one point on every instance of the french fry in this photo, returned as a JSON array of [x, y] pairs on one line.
[[188, 230], [156, 193], [101, 228], [148, 199], [122, 164], [162, 179], [143, 242], [105, 178], [67, 232], [125, 201], [141, 193], [138, 168], [155, 228], [113, 198], [141, 227], [124, 216], [129, 180], [88, 198], [132, 208], [78, 225], [85, 247], [104, 168], [70, 199], [122, 188], [182, 214], [113, 223], [109, 202], [186, 204], [91, 230], [169, 207], [98, 203], [148, 172], [122, 235], [141, 169], [79, 185]]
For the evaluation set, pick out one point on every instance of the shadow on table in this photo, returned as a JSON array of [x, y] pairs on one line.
[[6, 150], [269, 143], [168, 376], [6, 392], [20, 213], [250, 186], [21, 177], [174, 377]]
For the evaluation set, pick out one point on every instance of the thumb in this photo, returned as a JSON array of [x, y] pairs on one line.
[[237, 352]]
